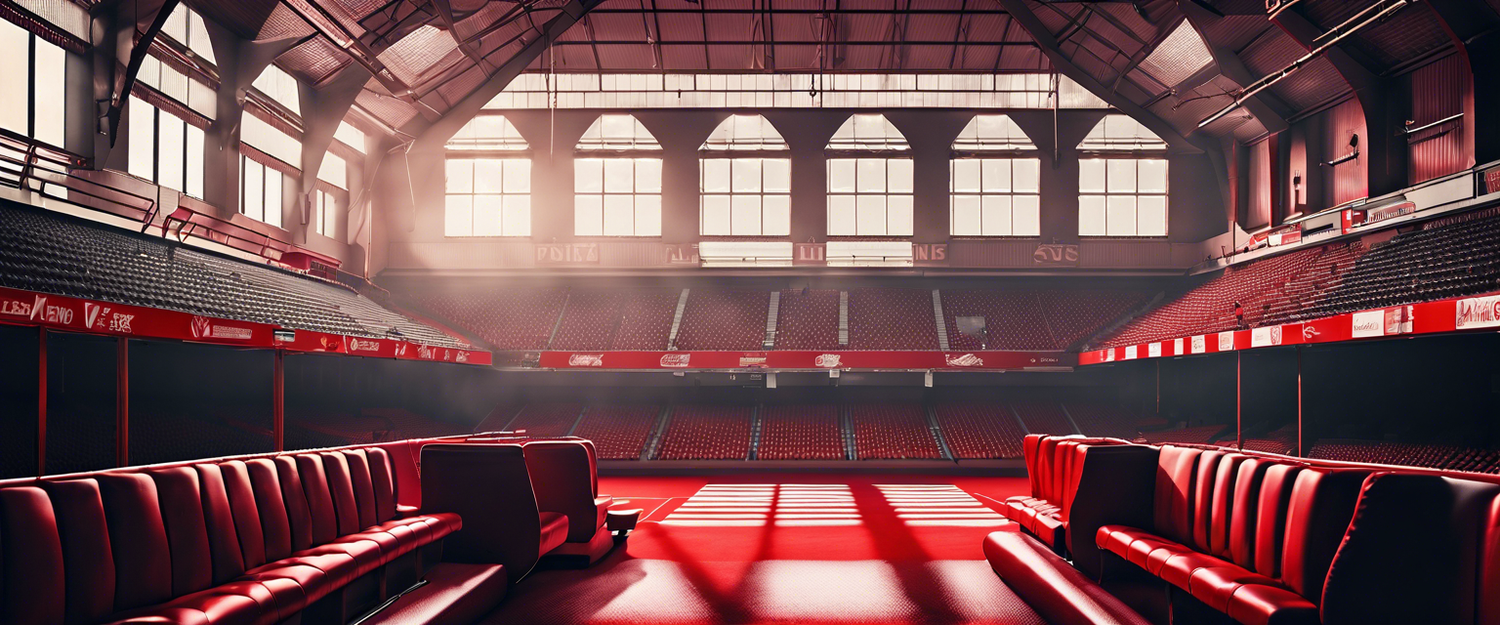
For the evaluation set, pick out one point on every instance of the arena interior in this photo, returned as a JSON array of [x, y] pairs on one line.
[[701, 312]]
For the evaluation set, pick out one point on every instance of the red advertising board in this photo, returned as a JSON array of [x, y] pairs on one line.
[[68, 313], [979, 360]]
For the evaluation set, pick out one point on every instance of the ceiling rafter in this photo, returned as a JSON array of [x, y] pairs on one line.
[[960, 34], [1271, 113]]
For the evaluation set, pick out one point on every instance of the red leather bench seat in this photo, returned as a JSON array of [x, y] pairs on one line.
[[1251, 537], [1054, 465], [1052, 587], [232, 541]]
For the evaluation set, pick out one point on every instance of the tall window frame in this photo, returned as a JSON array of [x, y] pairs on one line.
[[38, 69], [487, 180], [1123, 181], [262, 190], [745, 180], [617, 179], [164, 148], [871, 179], [994, 181]]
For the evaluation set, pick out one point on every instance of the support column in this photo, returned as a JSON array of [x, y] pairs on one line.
[[278, 400], [1239, 403], [41, 402], [1158, 388], [122, 402], [1299, 402]]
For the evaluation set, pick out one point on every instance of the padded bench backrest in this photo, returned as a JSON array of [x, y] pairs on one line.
[[79, 549], [1322, 503], [1172, 505], [561, 477], [1420, 549]]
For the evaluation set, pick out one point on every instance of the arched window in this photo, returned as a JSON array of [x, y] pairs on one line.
[[488, 181], [185, 27], [280, 86], [745, 180], [35, 77], [1122, 180], [994, 181], [869, 179], [617, 185]]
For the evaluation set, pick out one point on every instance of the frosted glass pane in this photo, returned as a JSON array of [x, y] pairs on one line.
[[841, 215], [648, 215], [1026, 175], [273, 206], [488, 178], [194, 182], [588, 175], [1091, 175], [1121, 175], [460, 173], [169, 152], [588, 215], [997, 175], [203, 99], [901, 177], [841, 175], [1152, 216], [517, 176], [1026, 216], [14, 45], [965, 176], [715, 176], [1153, 176], [457, 216], [746, 175], [776, 216], [50, 93], [745, 215], [899, 220], [254, 184], [174, 84], [487, 215], [965, 216], [619, 215], [715, 215], [1091, 215], [648, 175], [870, 215], [1120, 215], [142, 136], [871, 175], [996, 215], [778, 172], [516, 216], [619, 175]]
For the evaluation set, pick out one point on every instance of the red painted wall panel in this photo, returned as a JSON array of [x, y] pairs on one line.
[[1350, 179], [1439, 90]]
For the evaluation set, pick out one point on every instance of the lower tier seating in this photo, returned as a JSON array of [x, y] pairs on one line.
[[620, 430], [894, 431], [707, 433], [987, 430], [800, 433]]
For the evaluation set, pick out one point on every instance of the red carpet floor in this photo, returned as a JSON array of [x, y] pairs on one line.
[[789, 548]]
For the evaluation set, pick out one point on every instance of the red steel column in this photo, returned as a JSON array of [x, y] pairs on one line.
[[1299, 400], [122, 402], [278, 400], [1158, 387], [41, 402]]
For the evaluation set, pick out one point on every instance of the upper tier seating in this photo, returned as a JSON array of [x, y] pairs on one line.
[[987, 430], [707, 432], [891, 319], [892, 431], [1013, 319], [619, 431], [1075, 315], [52, 253], [1258, 287], [728, 320], [798, 432], [808, 321], [1441, 260], [604, 319], [546, 419], [1043, 417], [512, 318], [253, 540]]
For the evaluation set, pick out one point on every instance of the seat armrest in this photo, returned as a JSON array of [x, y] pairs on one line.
[[1051, 586]]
